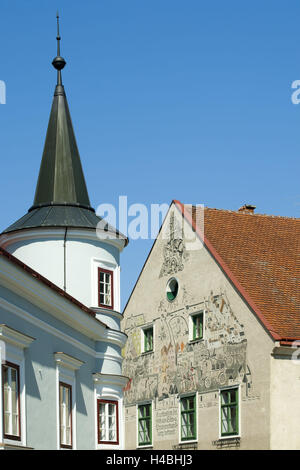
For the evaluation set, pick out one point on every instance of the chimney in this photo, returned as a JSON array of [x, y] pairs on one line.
[[247, 209]]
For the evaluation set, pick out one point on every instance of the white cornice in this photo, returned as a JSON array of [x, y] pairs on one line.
[[12, 336], [111, 357], [110, 379], [116, 337], [45, 326], [107, 312], [57, 233], [67, 361]]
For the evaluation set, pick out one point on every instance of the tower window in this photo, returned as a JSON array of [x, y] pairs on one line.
[[105, 288], [108, 425]]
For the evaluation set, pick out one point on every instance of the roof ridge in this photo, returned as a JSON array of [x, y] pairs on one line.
[[252, 214]]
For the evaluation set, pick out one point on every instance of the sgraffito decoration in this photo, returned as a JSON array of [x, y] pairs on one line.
[[174, 252], [178, 365]]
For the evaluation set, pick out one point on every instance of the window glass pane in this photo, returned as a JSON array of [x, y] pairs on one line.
[[102, 422], [232, 396], [11, 400], [65, 415], [224, 398]]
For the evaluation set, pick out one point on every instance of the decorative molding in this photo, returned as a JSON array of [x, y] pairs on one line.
[[174, 252], [32, 234], [116, 337], [15, 337], [110, 379], [109, 313], [227, 442], [67, 361]]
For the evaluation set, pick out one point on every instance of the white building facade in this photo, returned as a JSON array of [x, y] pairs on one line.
[[60, 337]]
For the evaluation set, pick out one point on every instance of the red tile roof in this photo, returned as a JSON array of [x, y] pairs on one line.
[[261, 256]]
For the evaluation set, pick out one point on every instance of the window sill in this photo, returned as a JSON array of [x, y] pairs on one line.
[[227, 441], [192, 341], [190, 441], [146, 446], [17, 446], [147, 353], [186, 445]]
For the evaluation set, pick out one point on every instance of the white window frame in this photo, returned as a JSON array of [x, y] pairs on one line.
[[96, 263], [191, 326], [66, 367], [233, 436], [12, 346], [109, 387], [106, 402], [143, 329], [62, 417]]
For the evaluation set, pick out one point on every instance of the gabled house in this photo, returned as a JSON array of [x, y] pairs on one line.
[[213, 327]]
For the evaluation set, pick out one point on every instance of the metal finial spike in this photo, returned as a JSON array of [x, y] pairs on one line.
[[59, 62], [58, 36]]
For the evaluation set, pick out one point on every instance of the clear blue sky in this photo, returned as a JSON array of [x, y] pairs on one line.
[[170, 99]]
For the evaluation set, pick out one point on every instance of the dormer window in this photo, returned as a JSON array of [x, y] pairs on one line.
[[105, 288]]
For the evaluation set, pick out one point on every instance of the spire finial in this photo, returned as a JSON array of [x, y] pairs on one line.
[[58, 36], [58, 62]]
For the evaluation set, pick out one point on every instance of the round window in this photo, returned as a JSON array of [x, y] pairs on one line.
[[172, 289]]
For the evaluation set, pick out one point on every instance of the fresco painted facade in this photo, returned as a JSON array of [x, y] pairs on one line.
[[234, 353]]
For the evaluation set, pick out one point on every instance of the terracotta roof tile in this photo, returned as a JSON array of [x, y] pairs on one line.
[[263, 254]]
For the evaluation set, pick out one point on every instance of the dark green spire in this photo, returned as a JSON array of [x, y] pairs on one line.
[[61, 197], [61, 179]]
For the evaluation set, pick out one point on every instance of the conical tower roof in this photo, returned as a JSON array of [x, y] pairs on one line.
[[61, 197]]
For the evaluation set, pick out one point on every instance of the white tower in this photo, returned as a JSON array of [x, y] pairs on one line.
[[57, 237]]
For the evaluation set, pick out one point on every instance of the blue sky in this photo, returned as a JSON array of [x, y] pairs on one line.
[[187, 100]]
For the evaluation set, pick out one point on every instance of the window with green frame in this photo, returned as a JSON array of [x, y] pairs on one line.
[[145, 424], [148, 339], [230, 412], [197, 326], [188, 418]]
